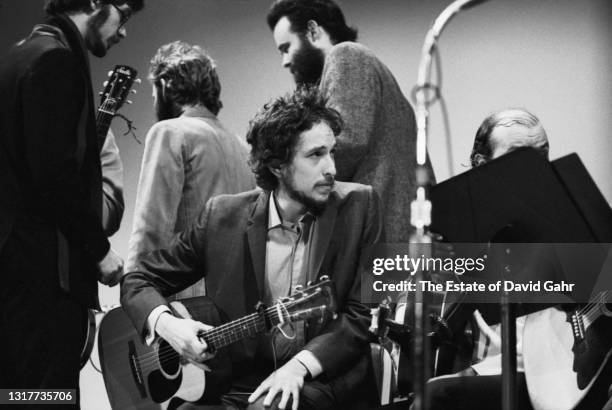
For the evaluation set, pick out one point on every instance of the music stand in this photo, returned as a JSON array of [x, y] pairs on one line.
[[543, 202]]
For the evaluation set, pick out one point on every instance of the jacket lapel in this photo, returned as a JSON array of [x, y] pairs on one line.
[[256, 235], [321, 237]]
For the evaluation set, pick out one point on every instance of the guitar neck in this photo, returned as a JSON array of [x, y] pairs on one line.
[[315, 301], [103, 121], [583, 318], [237, 330]]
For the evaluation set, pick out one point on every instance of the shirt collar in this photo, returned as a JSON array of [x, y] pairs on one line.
[[198, 111], [275, 219]]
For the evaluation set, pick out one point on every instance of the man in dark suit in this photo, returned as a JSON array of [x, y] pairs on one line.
[[53, 245], [256, 246]]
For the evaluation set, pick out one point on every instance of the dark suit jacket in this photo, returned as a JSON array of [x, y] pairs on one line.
[[228, 247], [50, 175]]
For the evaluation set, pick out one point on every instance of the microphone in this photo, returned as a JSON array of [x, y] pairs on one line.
[[421, 205]]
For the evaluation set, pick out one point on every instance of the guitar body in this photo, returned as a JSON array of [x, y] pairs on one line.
[[138, 376], [561, 366]]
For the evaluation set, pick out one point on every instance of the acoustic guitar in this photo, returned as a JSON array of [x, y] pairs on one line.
[[565, 351], [112, 98], [138, 376]]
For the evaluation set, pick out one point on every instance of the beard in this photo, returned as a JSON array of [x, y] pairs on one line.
[[165, 109], [93, 37], [312, 205], [307, 65]]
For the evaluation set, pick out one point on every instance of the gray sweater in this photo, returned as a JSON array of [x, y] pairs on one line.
[[377, 146]]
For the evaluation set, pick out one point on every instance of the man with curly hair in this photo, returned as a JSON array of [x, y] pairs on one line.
[[378, 144], [53, 240], [257, 246], [189, 155]]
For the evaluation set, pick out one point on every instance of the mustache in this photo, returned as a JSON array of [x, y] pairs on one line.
[[329, 181]]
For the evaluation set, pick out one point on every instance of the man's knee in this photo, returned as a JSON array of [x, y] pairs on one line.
[[314, 396], [258, 404], [441, 392]]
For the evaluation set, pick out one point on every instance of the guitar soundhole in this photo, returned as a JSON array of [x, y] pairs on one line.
[[169, 360]]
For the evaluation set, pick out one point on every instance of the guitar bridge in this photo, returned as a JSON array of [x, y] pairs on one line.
[[136, 370], [577, 325]]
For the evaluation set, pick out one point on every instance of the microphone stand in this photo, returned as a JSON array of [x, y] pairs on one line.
[[420, 209]]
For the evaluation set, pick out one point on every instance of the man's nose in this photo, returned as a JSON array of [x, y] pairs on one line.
[[330, 167], [122, 32], [286, 61]]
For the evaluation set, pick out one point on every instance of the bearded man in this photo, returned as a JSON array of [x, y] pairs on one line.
[[189, 155], [53, 244], [259, 245], [377, 146]]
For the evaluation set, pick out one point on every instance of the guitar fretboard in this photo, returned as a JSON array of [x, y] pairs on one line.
[[260, 322], [103, 120], [232, 332], [255, 323]]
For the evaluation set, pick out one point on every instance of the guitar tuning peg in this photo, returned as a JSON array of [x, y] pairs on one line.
[[105, 83], [309, 283], [138, 81], [109, 73], [323, 278], [134, 91], [129, 102], [298, 288], [100, 93]]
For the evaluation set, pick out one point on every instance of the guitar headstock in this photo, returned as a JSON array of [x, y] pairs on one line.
[[117, 88], [316, 300]]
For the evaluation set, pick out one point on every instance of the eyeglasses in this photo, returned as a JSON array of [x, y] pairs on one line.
[[123, 16]]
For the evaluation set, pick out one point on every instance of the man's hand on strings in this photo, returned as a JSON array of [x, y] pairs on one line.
[[182, 335]]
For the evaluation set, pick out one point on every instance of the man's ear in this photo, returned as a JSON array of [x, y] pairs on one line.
[[93, 6], [479, 159], [313, 31], [276, 171]]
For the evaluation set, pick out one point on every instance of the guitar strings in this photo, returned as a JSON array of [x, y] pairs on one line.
[[593, 304], [591, 311], [216, 335], [106, 105], [103, 107], [167, 351], [220, 334]]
